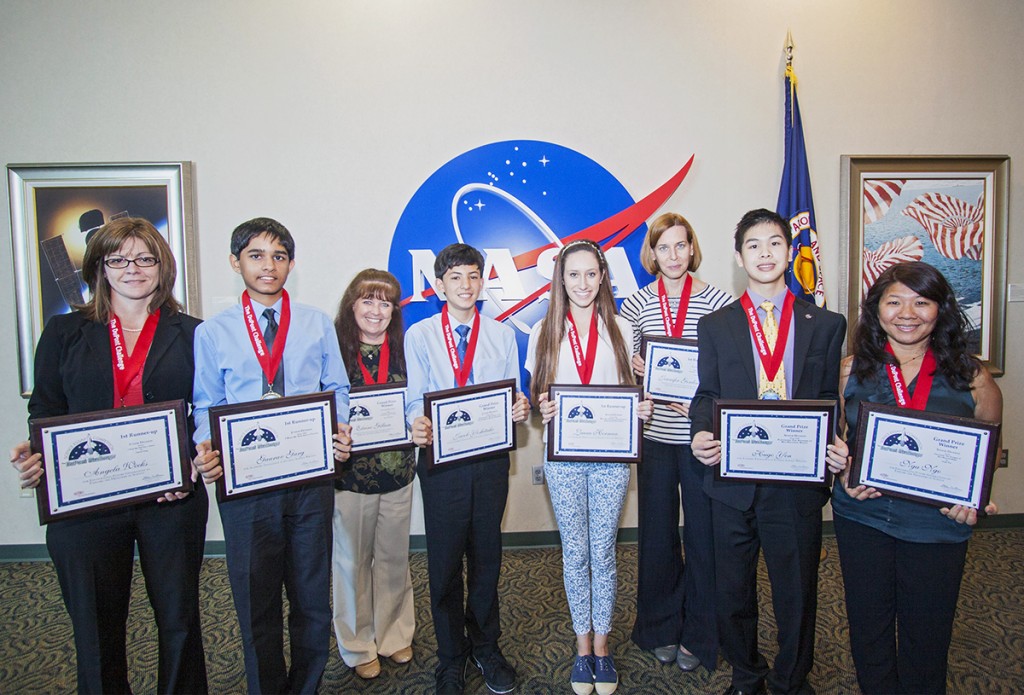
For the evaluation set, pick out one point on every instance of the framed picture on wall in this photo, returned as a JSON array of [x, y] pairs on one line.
[[948, 211], [54, 210]]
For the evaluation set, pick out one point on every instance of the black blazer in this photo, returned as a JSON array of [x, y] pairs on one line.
[[726, 369], [73, 371]]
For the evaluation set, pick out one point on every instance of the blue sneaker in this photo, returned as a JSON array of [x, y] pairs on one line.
[[606, 678], [582, 678]]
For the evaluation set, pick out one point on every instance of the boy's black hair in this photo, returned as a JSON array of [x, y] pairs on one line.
[[247, 231], [455, 255], [760, 216]]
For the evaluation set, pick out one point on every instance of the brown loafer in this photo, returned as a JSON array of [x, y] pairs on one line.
[[371, 669], [402, 656]]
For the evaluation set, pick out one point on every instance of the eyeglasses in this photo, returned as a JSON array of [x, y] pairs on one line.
[[119, 262]]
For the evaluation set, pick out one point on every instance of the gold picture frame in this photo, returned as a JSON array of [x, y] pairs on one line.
[[948, 210]]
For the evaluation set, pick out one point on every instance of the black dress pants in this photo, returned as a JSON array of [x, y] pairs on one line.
[[901, 601], [274, 539], [463, 504], [94, 556], [790, 538], [675, 598]]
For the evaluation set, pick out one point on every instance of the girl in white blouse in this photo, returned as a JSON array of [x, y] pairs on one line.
[[581, 340]]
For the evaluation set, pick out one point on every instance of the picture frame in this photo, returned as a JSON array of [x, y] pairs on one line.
[[376, 413], [108, 459], [777, 441], [933, 458], [670, 368], [274, 443], [54, 208], [950, 211], [595, 423], [470, 422]]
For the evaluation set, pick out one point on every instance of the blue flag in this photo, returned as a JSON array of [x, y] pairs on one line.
[[797, 206]]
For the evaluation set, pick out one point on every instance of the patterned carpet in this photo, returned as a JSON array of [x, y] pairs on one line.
[[37, 655]]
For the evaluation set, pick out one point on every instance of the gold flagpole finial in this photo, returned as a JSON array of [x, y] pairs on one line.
[[789, 48]]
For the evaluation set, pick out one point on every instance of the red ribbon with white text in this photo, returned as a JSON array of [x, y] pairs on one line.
[[674, 329], [461, 371], [584, 362], [126, 368], [270, 361], [900, 390], [771, 360]]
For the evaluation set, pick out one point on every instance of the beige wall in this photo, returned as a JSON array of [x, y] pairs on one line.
[[328, 116]]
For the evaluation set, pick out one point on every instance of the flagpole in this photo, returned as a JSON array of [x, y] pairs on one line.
[[790, 73], [795, 200]]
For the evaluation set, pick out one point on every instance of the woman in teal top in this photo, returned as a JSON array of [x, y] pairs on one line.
[[902, 561]]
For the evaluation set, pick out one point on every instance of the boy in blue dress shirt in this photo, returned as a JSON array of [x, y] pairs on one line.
[[462, 502], [267, 347]]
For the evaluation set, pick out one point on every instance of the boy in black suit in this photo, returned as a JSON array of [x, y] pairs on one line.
[[737, 345]]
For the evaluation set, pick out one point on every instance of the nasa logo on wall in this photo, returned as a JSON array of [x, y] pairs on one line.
[[519, 201]]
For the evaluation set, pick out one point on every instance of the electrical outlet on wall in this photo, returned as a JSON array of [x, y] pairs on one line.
[[538, 474]]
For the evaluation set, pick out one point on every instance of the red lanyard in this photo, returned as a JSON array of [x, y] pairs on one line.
[[269, 361], [771, 360], [674, 329], [584, 363], [462, 371], [382, 365], [924, 381], [127, 368]]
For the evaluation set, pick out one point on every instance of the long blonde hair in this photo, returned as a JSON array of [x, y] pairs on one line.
[[552, 330]]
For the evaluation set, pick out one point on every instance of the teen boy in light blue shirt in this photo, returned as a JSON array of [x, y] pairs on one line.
[[278, 537], [463, 502]]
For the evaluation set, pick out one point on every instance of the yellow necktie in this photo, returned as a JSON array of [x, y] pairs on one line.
[[771, 389]]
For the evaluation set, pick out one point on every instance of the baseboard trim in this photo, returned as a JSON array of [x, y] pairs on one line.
[[36, 552]]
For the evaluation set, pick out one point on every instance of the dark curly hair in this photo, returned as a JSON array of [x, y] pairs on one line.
[[948, 340]]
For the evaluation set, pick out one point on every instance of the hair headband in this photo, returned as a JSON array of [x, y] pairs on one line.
[[583, 242]]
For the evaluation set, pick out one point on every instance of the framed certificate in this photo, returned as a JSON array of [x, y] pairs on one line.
[[670, 368], [111, 458], [940, 460], [471, 422], [274, 443], [595, 423], [376, 414], [774, 441]]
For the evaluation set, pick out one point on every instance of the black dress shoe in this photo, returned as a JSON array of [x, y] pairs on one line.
[[733, 690]]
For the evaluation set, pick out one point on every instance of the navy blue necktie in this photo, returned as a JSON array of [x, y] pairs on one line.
[[269, 333], [463, 332]]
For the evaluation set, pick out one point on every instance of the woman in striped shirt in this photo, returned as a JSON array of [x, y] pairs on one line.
[[675, 611]]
